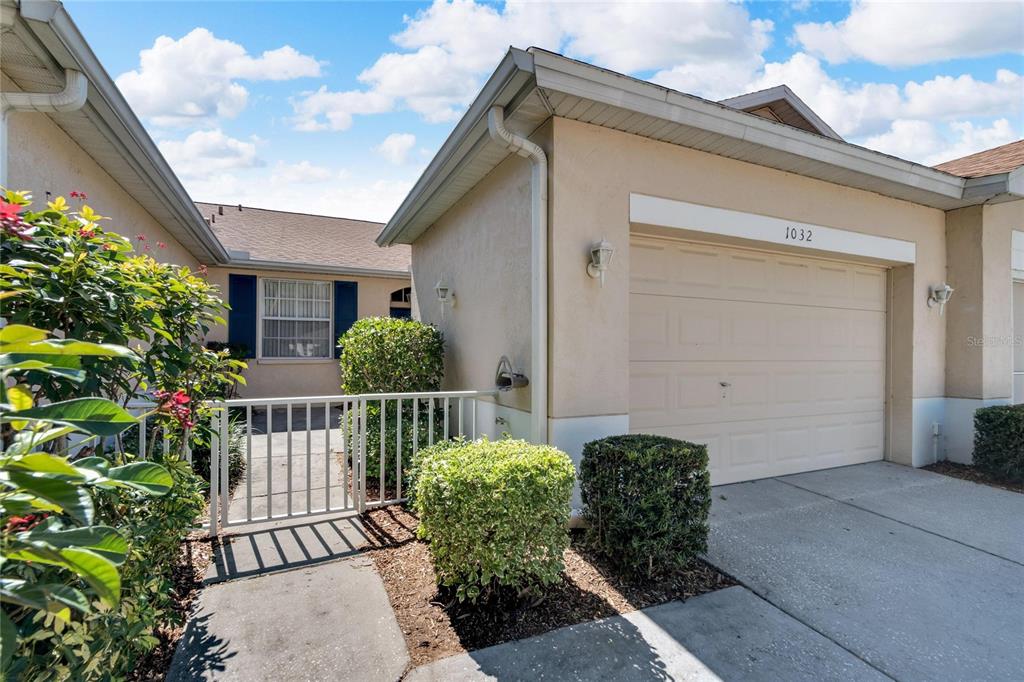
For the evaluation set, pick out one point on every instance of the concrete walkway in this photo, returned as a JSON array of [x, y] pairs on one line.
[[328, 622], [919, 575], [730, 634]]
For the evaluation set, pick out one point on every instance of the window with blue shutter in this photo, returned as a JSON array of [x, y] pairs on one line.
[[242, 316], [346, 309]]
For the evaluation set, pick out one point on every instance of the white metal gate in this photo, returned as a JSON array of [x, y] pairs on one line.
[[309, 456]]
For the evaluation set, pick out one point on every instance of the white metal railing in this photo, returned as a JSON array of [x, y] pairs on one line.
[[283, 481], [141, 410]]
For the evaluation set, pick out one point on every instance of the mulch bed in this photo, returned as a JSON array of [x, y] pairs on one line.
[[970, 473], [436, 626]]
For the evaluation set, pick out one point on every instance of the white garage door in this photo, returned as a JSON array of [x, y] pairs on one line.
[[777, 362]]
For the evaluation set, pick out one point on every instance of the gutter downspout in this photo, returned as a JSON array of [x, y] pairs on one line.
[[538, 266], [71, 98]]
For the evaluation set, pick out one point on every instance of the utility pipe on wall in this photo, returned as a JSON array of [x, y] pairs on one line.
[[71, 98], [538, 267]]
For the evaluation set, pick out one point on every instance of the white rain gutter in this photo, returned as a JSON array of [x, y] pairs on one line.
[[71, 98], [538, 266]]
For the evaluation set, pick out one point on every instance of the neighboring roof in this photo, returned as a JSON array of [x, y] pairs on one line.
[[266, 239], [39, 42], [534, 85], [781, 104], [1004, 159]]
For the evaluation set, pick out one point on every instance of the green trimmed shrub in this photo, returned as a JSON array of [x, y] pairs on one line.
[[495, 514], [393, 355], [646, 500], [999, 441]]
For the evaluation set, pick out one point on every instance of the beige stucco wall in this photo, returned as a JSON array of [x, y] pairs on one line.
[[290, 378], [594, 171], [42, 158], [481, 249]]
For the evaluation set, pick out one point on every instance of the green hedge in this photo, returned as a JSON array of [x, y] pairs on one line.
[[392, 355], [646, 500], [999, 441], [495, 514]]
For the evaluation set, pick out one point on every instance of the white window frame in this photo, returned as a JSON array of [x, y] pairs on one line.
[[261, 302]]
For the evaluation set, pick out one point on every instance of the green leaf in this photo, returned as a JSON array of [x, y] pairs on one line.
[[145, 476], [98, 571], [97, 464], [69, 347], [43, 463], [8, 641], [20, 398], [102, 540], [50, 597], [67, 366], [20, 333], [95, 416], [73, 499]]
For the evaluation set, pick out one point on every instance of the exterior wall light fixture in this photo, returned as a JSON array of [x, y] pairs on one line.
[[600, 257], [939, 295], [445, 295]]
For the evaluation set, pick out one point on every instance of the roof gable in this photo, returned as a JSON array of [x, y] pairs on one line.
[[781, 104]]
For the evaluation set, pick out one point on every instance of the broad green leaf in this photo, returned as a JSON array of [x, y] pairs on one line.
[[43, 463], [98, 571], [20, 398], [20, 333], [28, 440], [95, 416], [8, 641], [146, 476], [20, 503], [73, 499], [69, 347], [51, 597], [67, 366], [102, 540], [97, 464]]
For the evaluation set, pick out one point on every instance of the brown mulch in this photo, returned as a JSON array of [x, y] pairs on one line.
[[194, 558], [970, 473], [436, 626]]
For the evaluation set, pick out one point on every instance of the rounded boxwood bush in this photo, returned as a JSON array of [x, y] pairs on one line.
[[392, 355], [646, 501], [999, 441], [495, 514]]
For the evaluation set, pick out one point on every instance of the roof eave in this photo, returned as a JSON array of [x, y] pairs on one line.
[[50, 23], [320, 269]]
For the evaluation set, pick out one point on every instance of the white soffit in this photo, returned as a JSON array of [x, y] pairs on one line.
[[682, 215]]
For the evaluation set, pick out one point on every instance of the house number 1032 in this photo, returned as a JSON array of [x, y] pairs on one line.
[[798, 234]]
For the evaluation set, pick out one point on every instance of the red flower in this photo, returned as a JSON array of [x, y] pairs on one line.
[[109, 247], [87, 233], [141, 237], [146, 248], [175, 405], [11, 223], [78, 195], [9, 211], [161, 245], [203, 270], [16, 524]]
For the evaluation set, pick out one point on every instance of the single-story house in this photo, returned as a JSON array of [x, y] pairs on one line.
[[732, 273], [67, 127]]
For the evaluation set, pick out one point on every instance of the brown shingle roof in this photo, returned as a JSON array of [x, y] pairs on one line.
[[989, 162], [300, 238]]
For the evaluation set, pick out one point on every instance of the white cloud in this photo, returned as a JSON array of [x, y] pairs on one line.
[[908, 33], [860, 109], [931, 143], [206, 152], [193, 80], [451, 46], [396, 147], [302, 172]]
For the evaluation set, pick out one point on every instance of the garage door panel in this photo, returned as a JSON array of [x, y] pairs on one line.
[[668, 268], [776, 362], [715, 330]]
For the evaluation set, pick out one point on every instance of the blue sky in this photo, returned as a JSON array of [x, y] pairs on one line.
[[335, 107]]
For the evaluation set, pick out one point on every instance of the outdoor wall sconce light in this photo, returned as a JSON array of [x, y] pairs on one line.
[[507, 378], [939, 296], [445, 295], [600, 257]]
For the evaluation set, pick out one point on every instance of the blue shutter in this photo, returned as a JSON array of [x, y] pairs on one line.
[[242, 316], [404, 313], [346, 309]]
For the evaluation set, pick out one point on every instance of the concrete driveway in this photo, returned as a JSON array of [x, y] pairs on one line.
[[919, 575]]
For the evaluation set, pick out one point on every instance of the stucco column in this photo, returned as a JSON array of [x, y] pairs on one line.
[[979, 323]]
